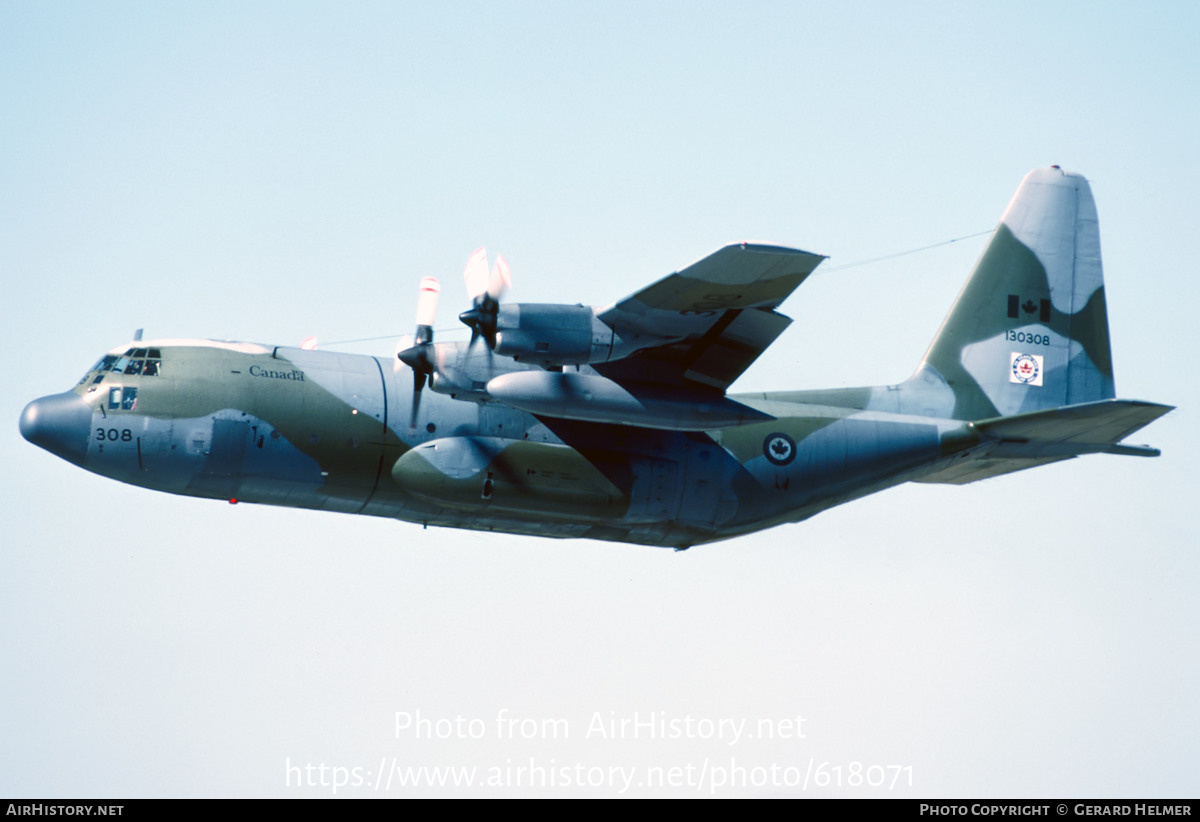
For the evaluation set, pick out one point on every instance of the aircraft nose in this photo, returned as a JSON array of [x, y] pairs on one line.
[[59, 423]]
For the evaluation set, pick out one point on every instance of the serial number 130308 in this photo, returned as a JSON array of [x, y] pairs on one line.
[[1027, 337]]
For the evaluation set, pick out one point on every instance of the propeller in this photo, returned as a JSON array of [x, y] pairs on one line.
[[419, 356], [485, 292]]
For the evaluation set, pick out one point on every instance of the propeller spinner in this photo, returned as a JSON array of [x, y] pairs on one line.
[[419, 357]]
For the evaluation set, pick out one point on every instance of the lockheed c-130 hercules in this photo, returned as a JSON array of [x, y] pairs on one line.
[[613, 423]]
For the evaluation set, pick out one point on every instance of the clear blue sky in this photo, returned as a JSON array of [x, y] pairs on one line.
[[266, 171]]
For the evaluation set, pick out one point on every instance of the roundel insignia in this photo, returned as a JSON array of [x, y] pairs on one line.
[[779, 448], [1027, 369]]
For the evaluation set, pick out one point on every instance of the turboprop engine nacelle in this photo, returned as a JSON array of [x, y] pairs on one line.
[[552, 335]]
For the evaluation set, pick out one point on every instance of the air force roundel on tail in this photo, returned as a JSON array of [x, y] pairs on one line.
[[1025, 368]]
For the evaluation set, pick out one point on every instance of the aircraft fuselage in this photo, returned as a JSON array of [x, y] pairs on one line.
[[331, 431]]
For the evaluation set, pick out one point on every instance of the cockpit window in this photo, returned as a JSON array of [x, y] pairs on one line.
[[146, 362], [106, 363]]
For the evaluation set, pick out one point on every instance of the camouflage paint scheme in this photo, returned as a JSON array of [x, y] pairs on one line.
[[614, 423]]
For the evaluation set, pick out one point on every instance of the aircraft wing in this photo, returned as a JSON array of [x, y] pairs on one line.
[[715, 317]]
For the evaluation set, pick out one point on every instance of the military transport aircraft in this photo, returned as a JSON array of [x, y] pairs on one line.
[[613, 423]]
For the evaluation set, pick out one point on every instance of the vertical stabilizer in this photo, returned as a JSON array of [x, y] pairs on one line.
[[1030, 329]]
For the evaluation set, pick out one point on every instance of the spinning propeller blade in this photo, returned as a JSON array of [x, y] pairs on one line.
[[419, 357], [485, 292]]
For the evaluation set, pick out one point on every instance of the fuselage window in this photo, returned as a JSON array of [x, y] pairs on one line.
[[122, 398]]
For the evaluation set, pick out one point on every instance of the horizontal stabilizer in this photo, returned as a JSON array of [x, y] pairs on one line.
[[1088, 428], [1021, 441], [1134, 450]]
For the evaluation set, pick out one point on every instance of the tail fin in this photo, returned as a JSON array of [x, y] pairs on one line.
[[1030, 329]]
